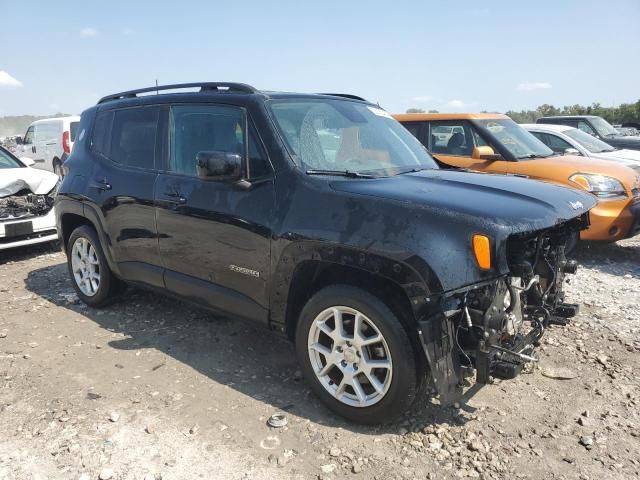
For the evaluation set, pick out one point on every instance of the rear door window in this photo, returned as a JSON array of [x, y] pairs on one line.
[[101, 137], [134, 135], [452, 138]]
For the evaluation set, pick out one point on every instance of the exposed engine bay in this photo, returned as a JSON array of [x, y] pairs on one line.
[[493, 328], [25, 204]]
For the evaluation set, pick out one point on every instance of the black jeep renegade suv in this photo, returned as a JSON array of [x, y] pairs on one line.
[[323, 218]]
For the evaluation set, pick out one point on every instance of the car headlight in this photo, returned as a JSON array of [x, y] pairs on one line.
[[600, 185]]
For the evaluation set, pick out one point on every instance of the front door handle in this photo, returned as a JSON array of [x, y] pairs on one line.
[[175, 197], [101, 185], [33, 149]]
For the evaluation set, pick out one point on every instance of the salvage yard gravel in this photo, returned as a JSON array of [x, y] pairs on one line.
[[151, 388]]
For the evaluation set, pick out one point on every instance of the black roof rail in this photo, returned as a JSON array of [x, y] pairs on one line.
[[204, 87], [344, 95]]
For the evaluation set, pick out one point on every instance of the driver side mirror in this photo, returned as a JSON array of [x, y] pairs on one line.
[[485, 153], [19, 141], [219, 166], [571, 151], [27, 161]]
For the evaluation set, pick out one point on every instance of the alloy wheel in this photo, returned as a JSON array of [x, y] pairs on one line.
[[85, 266], [350, 357]]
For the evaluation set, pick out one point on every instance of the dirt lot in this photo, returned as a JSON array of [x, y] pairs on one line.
[[152, 388]]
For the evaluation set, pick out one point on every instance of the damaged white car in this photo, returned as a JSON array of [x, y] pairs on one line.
[[26, 203]]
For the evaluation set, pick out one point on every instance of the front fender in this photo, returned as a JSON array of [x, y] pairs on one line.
[[411, 273]]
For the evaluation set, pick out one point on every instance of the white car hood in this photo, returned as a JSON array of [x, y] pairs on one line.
[[12, 180], [633, 156]]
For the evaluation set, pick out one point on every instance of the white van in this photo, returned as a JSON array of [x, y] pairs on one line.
[[49, 142]]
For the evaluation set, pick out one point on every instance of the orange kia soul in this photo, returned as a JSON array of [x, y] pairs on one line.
[[494, 143]]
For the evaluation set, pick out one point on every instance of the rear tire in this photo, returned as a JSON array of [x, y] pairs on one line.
[[92, 279], [370, 377]]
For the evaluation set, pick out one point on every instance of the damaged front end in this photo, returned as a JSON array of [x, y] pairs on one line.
[[25, 204], [26, 207], [492, 328]]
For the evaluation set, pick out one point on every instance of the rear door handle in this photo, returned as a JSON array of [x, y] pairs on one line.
[[101, 185], [175, 197]]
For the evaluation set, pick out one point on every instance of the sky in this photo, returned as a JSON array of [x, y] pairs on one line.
[[458, 55]]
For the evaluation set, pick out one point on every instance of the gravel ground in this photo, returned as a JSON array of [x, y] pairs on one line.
[[152, 388]]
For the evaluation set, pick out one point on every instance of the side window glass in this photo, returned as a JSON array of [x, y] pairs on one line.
[[585, 127], [414, 128], [541, 136], [258, 163], [557, 144], [100, 139], [478, 140], [451, 138], [47, 133], [28, 137], [197, 128], [133, 141]]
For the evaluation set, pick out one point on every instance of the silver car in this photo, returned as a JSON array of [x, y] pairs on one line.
[[563, 139]]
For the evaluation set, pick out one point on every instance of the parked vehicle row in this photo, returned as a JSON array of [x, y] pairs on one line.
[[597, 127], [321, 217], [494, 143], [572, 141]]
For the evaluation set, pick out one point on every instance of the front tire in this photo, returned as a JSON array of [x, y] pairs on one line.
[[356, 355], [92, 279]]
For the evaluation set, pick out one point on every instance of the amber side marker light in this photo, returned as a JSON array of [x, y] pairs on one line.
[[482, 251]]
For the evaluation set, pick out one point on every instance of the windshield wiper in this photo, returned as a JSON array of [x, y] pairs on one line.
[[532, 155], [340, 173], [410, 170]]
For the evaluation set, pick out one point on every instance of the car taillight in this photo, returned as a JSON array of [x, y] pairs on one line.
[[66, 144]]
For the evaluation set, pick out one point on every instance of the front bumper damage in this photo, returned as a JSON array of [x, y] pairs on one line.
[[492, 328], [26, 218]]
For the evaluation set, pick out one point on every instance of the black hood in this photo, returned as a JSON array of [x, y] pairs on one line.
[[622, 141], [505, 202]]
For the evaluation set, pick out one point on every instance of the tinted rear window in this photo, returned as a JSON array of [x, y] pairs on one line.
[[73, 130], [100, 139], [133, 137]]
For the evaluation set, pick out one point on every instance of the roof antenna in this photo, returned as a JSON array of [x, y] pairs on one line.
[[157, 91]]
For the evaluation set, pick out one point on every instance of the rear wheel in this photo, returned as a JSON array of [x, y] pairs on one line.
[[92, 279], [356, 355]]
